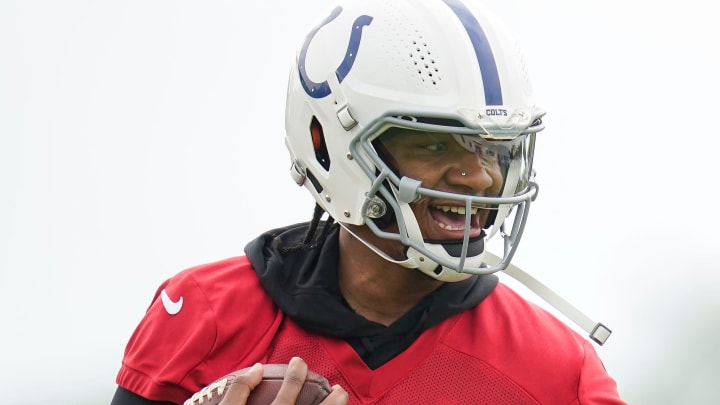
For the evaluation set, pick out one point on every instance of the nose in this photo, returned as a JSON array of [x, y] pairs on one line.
[[471, 174]]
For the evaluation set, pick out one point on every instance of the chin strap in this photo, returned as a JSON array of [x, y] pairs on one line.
[[408, 263], [598, 332]]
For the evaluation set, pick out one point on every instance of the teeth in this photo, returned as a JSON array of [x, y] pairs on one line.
[[449, 227], [456, 209]]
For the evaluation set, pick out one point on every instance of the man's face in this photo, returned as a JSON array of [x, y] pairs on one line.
[[450, 163]]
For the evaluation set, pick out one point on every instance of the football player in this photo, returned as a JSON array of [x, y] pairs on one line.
[[412, 123]]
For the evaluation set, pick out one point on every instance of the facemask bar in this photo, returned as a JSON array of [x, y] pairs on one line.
[[405, 191], [510, 239]]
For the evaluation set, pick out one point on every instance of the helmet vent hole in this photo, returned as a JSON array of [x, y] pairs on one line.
[[425, 65]]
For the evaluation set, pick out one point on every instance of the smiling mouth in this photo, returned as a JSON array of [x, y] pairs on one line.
[[452, 218]]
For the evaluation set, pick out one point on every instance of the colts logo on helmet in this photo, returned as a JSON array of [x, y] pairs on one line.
[[322, 89]]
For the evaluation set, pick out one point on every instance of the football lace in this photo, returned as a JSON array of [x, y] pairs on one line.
[[207, 392]]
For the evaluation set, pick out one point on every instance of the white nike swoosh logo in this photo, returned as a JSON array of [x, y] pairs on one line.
[[172, 307]]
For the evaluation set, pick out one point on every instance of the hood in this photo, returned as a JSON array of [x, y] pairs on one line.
[[304, 284]]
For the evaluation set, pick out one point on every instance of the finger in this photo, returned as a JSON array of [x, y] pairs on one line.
[[295, 376], [337, 396], [240, 388]]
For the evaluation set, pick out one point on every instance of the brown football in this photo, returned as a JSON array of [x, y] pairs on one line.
[[315, 389]]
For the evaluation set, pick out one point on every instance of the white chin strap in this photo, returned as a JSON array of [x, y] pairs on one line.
[[415, 259], [408, 263], [598, 332]]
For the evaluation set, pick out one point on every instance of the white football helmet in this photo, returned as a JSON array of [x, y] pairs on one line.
[[449, 67]]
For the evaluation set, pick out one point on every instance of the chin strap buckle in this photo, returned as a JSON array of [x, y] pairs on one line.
[[600, 333]]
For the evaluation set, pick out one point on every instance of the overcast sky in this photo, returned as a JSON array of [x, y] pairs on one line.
[[139, 138]]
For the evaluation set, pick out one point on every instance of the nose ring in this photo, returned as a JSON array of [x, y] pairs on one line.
[[463, 174]]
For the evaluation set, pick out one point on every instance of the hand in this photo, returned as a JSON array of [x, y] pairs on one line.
[[295, 376]]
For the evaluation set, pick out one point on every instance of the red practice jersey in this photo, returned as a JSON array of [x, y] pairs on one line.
[[213, 319]]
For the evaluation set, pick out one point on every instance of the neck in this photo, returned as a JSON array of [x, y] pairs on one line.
[[375, 288]]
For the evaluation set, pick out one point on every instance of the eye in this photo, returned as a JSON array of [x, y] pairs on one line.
[[436, 147]]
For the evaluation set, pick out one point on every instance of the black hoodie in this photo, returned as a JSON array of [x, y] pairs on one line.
[[304, 284]]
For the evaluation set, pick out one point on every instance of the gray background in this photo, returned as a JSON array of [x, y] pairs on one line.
[[139, 138]]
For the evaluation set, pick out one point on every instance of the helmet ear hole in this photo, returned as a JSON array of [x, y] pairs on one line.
[[318, 142]]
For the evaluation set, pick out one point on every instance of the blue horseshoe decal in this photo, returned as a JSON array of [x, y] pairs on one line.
[[320, 90]]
